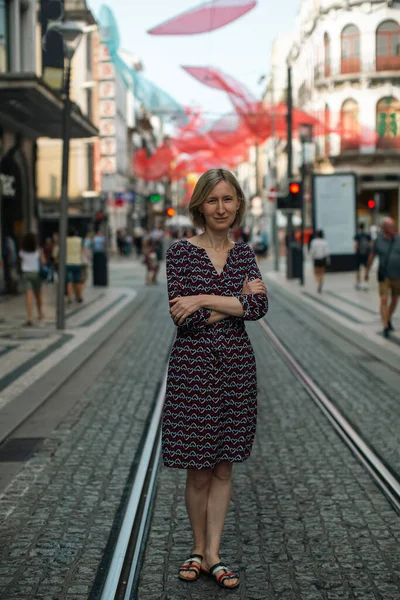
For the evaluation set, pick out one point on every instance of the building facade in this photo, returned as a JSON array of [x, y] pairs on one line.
[[29, 109], [84, 185], [345, 61]]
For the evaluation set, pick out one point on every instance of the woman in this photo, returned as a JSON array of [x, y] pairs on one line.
[[209, 418], [30, 258], [319, 252]]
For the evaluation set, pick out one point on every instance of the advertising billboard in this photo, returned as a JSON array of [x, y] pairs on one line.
[[334, 206]]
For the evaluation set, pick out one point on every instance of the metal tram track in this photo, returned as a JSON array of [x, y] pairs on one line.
[[124, 569], [387, 481]]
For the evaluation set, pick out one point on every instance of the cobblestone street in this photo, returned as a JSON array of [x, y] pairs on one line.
[[306, 521]]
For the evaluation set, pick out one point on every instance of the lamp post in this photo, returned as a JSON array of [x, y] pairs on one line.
[[71, 34]]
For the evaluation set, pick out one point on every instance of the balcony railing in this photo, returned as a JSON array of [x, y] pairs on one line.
[[383, 67]]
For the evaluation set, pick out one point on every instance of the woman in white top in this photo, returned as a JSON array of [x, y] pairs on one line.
[[31, 257], [319, 252]]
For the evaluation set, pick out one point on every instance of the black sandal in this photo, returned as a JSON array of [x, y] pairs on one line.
[[224, 575], [192, 565]]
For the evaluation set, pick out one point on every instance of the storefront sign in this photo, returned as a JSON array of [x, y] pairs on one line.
[[108, 111]]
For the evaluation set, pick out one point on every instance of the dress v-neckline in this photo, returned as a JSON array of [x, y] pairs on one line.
[[209, 259]]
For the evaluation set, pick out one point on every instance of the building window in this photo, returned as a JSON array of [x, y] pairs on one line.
[[327, 55], [351, 50], [4, 36], [388, 122], [327, 126], [388, 46], [350, 125]]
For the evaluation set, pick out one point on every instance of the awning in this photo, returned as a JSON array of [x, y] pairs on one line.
[[29, 106]]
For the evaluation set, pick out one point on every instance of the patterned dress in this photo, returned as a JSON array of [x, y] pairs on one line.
[[210, 410]]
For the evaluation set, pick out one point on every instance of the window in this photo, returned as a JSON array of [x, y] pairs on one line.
[[3, 36], [388, 46], [327, 55], [350, 125], [388, 122], [351, 50]]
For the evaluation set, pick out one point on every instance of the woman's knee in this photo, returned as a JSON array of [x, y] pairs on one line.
[[199, 479], [223, 470]]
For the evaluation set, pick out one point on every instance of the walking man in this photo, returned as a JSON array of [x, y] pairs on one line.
[[387, 248], [362, 247]]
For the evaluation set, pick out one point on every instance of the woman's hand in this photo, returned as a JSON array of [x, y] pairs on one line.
[[257, 286], [181, 308]]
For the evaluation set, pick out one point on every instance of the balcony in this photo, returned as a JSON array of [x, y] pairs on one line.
[[386, 69]]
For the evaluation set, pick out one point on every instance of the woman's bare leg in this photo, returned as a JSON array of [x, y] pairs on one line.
[[196, 494], [217, 507], [39, 304], [28, 304]]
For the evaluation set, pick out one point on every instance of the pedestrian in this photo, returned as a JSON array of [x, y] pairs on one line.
[[48, 252], [151, 259], [138, 234], [319, 252], [87, 255], [100, 271], [362, 247], [31, 259], [10, 264], [387, 248], [74, 266], [54, 255], [209, 417]]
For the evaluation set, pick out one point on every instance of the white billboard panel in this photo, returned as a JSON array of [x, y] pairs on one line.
[[335, 210]]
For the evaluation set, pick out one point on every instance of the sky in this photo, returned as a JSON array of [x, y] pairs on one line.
[[241, 49]]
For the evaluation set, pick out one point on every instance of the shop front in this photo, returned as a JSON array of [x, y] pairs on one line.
[[29, 109]]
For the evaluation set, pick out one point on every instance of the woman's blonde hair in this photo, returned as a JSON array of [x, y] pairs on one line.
[[203, 188]]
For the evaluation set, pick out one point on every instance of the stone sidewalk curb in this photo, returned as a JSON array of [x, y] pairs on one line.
[[355, 338], [17, 411]]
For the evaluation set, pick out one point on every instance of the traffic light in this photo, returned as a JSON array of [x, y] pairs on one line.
[[294, 198], [170, 212], [371, 204]]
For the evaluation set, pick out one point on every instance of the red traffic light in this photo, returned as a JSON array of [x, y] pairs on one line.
[[170, 212], [294, 188], [371, 204], [99, 216]]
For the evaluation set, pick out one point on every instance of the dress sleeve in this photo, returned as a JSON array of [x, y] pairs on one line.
[[255, 306], [177, 267]]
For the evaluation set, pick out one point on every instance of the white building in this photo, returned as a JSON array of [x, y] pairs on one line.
[[346, 70]]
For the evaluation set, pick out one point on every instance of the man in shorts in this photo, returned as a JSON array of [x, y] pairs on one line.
[[362, 247], [387, 248]]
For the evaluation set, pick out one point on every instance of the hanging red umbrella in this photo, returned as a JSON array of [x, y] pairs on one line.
[[206, 17]]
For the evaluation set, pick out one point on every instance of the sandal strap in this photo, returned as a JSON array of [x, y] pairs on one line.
[[198, 556], [226, 573], [193, 563]]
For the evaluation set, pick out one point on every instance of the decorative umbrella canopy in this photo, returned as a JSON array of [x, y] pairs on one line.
[[204, 18], [147, 92]]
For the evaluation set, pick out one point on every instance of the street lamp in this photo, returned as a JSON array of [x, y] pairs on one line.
[[71, 34]]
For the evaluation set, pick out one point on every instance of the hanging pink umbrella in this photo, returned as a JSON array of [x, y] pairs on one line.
[[206, 17]]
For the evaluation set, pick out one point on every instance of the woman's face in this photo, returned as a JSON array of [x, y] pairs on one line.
[[220, 207]]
